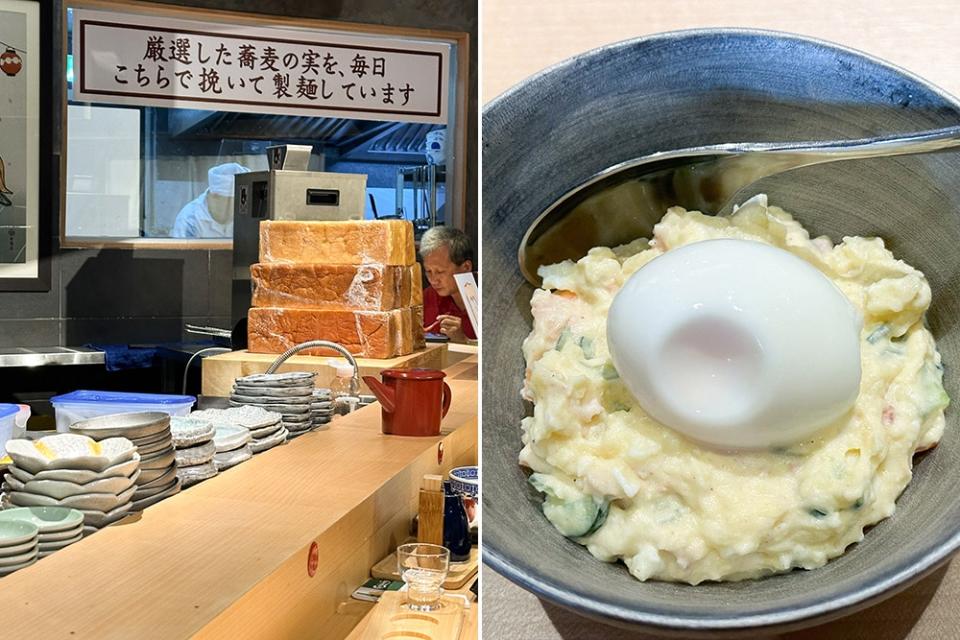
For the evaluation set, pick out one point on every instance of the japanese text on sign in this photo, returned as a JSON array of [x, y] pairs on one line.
[[174, 65]]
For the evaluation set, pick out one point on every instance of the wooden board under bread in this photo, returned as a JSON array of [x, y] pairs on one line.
[[221, 370]]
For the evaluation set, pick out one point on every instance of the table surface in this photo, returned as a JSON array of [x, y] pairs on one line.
[[521, 38]]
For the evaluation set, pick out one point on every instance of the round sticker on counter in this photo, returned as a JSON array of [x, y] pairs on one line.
[[313, 559]]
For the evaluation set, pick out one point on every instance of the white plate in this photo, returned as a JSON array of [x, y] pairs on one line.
[[199, 454], [243, 398], [249, 417], [5, 571], [230, 436], [277, 408], [10, 561], [265, 432], [46, 519], [99, 519], [192, 475], [226, 459], [78, 476], [258, 446], [188, 432], [287, 379], [140, 505], [272, 392], [69, 451], [84, 501], [62, 535], [59, 490], [60, 544], [138, 424]]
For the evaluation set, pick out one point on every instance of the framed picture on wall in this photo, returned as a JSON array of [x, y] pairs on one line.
[[25, 160]]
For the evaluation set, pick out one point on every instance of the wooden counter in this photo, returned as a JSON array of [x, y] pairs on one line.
[[228, 558], [221, 370]]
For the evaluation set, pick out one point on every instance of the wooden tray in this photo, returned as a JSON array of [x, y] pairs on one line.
[[458, 576], [390, 620]]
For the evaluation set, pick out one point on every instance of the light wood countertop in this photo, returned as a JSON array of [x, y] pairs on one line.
[[229, 556]]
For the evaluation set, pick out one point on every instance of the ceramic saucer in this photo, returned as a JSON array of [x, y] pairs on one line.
[[46, 519], [191, 475], [199, 454], [229, 437], [226, 459], [288, 379], [258, 446], [187, 432], [272, 392]]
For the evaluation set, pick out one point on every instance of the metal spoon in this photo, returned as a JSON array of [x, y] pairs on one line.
[[623, 203]]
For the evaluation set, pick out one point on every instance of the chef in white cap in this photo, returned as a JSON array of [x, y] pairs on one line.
[[210, 215]]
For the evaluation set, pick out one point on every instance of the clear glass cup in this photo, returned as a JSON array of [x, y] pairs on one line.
[[424, 568]]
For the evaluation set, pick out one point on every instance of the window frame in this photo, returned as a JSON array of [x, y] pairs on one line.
[[457, 188]]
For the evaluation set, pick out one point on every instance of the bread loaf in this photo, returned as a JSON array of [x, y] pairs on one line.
[[371, 287], [386, 242], [368, 334]]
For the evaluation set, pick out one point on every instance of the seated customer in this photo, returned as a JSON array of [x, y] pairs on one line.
[[445, 252]]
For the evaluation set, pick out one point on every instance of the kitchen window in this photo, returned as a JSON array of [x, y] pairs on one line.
[[140, 167]]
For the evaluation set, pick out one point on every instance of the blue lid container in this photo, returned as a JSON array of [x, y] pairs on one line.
[[120, 397], [80, 405]]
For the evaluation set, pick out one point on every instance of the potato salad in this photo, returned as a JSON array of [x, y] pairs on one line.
[[631, 489]]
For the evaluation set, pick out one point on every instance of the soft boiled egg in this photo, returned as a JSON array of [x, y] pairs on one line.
[[736, 343]]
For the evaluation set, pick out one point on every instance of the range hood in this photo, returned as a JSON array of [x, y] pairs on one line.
[[352, 140]]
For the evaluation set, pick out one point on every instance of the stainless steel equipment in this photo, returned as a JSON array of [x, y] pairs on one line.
[[423, 179], [287, 192]]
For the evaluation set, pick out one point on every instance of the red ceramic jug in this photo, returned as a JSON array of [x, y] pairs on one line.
[[413, 401]]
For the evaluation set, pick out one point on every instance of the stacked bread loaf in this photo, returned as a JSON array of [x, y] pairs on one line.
[[355, 282]]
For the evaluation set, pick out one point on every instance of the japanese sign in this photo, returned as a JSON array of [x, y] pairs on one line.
[[135, 59]]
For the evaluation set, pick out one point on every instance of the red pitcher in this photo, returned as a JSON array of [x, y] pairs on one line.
[[413, 401]]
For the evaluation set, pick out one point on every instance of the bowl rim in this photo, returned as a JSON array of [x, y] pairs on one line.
[[822, 611]]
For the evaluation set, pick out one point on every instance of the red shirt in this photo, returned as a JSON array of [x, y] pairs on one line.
[[435, 305]]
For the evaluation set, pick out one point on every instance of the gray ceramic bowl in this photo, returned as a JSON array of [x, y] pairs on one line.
[[684, 89]]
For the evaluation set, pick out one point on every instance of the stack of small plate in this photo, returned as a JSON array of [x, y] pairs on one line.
[[265, 427], [193, 440], [18, 546], [150, 432], [233, 445], [71, 470], [321, 409], [289, 394], [58, 527]]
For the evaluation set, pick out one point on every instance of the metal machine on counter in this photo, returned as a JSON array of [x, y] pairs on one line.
[[286, 192]]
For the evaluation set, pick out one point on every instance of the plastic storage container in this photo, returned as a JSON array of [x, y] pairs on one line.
[[79, 405], [8, 424], [343, 401]]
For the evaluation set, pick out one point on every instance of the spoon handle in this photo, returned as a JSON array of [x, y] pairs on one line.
[[714, 185]]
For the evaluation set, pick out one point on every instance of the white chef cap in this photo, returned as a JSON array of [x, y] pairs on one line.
[[221, 177]]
